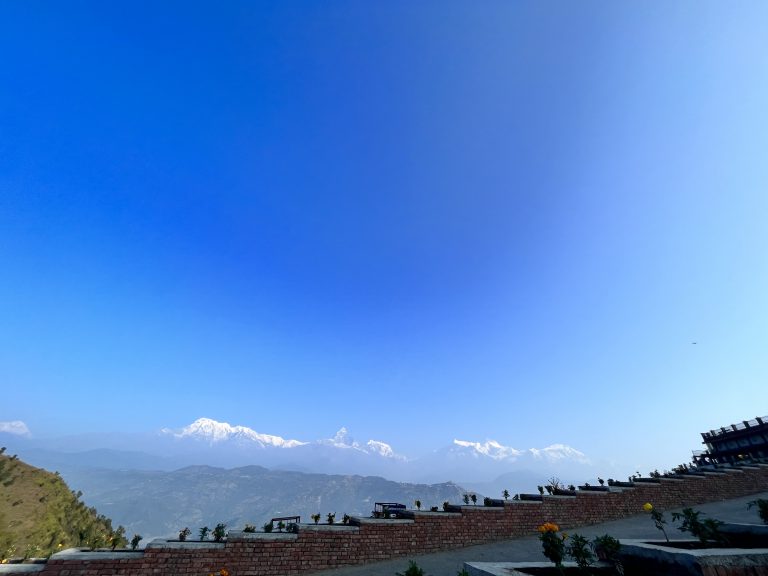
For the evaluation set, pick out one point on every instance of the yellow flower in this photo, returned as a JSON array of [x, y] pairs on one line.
[[647, 506], [548, 527], [223, 572]]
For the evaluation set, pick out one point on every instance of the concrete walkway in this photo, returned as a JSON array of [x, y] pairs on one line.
[[450, 562]]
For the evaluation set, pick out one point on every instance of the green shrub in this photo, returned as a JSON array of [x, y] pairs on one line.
[[413, 570]]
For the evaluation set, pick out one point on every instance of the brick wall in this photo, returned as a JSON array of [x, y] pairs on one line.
[[368, 540]]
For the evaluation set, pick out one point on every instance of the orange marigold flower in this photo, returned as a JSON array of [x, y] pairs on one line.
[[549, 527]]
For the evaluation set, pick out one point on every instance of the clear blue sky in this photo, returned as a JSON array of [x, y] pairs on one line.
[[508, 219]]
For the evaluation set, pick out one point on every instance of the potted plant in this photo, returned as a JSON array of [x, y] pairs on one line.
[[219, 532], [135, 541]]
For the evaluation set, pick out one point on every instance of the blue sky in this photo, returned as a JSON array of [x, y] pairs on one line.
[[420, 220]]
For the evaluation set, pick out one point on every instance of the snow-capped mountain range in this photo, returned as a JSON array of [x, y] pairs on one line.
[[213, 432], [209, 442]]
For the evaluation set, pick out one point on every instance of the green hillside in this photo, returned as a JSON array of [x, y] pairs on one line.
[[39, 515]]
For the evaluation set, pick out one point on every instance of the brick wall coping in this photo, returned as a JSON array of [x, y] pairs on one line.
[[478, 509], [21, 568], [427, 514], [369, 521], [177, 545], [79, 554], [240, 535], [328, 528]]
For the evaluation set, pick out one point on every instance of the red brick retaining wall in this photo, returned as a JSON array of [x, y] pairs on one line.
[[368, 540]]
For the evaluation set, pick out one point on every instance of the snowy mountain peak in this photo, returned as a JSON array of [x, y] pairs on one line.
[[490, 448], [343, 438], [558, 452], [214, 432], [382, 449]]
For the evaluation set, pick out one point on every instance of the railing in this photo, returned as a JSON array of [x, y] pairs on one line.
[[736, 427]]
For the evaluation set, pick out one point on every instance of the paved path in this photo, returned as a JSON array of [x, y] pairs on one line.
[[450, 562]]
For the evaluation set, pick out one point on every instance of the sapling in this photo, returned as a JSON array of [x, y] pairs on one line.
[[135, 541], [578, 549]]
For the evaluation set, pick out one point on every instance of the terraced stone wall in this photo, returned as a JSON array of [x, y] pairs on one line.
[[369, 540]]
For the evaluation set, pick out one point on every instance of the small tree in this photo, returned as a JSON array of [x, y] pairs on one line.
[[505, 494], [418, 504], [315, 518], [466, 499], [473, 497], [203, 533], [135, 541]]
